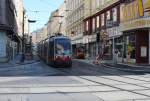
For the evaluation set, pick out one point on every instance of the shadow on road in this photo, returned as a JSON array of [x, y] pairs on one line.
[[84, 69], [79, 68]]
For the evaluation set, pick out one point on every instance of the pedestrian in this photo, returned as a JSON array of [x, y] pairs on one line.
[[22, 57], [97, 60], [116, 55]]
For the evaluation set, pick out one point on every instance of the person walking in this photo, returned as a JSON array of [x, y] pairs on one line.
[[116, 55]]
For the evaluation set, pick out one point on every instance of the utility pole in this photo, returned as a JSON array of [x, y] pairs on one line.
[[23, 31], [22, 55]]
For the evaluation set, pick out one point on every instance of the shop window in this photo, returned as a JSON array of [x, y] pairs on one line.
[[131, 46]]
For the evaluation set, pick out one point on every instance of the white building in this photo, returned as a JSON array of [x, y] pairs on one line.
[[57, 21], [9, 26], [62, 20], [19, 17], [54, 23], [74, 21]]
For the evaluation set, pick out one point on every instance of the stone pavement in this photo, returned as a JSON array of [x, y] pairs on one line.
[[129, 67], [16, 62], [102, 87], [70, 88], [121, 66]]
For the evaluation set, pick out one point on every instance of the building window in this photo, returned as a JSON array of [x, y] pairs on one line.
[[97, 22], [102, 2], [131, 46], [102, 20], [98, 3], [108, 15], [93, 24], [114, 14], [87, 26]]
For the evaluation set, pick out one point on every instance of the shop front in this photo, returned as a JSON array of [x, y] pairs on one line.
[[135, 26], [136, 46], [115, 42], [91, 45], [77, 44]]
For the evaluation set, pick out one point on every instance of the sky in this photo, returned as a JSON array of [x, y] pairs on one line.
[[45, 7]]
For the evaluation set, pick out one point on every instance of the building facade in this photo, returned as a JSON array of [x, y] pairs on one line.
[[62, 20], [135, 25], [53, 25], [57, 21], [8, 30], [119, 26], [101, 28], [19, 17], [74, 22]]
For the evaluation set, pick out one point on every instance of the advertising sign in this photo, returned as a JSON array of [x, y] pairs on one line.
[[135, 15], [146, 7], [136, 9]]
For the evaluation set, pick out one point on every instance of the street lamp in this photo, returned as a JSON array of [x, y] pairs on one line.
[[29, 40], [55, 16], [32, 21]]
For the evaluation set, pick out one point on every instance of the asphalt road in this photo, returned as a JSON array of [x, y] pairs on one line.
[[82, 82]]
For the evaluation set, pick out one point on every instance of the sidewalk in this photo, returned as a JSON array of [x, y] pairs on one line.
[[16, 62], [136, 68], [129, 67], [90, 61]]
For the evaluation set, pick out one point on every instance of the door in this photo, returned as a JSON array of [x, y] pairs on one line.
[[142, 45]]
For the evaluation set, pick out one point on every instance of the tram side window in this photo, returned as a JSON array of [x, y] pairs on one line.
[[51, 48]]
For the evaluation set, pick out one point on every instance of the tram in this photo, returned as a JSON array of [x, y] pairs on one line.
[[56, 51]]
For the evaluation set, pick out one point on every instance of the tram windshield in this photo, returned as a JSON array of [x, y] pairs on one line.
[[63, 46]]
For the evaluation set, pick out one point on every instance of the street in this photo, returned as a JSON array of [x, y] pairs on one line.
[[74, 50], [82, 82]]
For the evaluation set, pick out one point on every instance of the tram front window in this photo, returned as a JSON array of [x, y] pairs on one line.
[[63, 47]]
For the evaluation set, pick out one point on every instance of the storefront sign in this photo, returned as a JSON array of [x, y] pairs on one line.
[[89, 39], [135, 15], [113, 32], [92, 38], [135, 24], [135, 10]]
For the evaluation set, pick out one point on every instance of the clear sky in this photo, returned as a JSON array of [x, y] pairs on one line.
[[45, 7]]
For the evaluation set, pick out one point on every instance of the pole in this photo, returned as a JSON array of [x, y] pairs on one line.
[[23, 56], [23, 31], [113, 49]]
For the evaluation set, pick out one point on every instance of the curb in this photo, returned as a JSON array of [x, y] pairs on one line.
[[21, 64], [112, 67], [126, 70], [88, 62]]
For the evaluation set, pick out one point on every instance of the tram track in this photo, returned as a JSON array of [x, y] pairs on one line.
[[109, 85]]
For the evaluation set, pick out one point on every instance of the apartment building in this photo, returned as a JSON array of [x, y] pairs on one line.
[[102, 27], [53, 25], [8, 30], [135, 25], [74, 22]]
